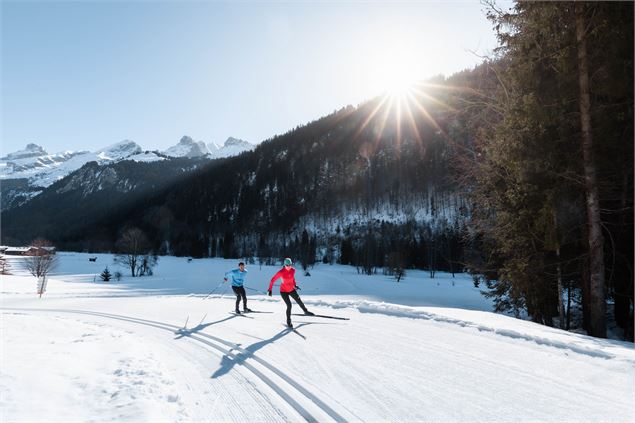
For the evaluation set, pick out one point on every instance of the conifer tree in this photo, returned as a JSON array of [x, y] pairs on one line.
[[105, 275], [538, 190]]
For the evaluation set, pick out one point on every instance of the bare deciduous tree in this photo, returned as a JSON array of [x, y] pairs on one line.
[[42, 259], [396, 265], [134, 252]]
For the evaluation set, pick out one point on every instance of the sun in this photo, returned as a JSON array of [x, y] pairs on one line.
[[396, 80], [393, 74], [399, 85], [395, 71]]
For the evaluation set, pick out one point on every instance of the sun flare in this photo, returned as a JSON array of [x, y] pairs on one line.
[[394, 74], [396, 69], [395, 80]]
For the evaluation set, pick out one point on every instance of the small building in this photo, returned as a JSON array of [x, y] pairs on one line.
[[15, 251], [39, 251], [29, 251]]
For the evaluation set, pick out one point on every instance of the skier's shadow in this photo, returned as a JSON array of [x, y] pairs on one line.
[[183, 332], [230, 359]]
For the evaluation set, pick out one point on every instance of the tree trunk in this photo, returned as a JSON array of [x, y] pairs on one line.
[[559, 270], [560, 292], [568, 306], [597, 303], [624, 278]]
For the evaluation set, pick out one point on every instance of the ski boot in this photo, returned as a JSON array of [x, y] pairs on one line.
[[246, 310], [308, 313], [289, 324]]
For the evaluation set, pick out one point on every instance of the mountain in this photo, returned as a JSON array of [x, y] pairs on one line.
[[42, 169], [187, 147], [231, 147], [16, 192], [91, 193], [360, 179], [31, 150], [25, 173]]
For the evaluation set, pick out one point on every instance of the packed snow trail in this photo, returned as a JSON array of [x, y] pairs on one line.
[[323, 410], [421, 360], [378, 368]]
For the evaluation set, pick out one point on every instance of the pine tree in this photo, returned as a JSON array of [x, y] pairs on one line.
[[105, 275], [535, 168], [346, 252]]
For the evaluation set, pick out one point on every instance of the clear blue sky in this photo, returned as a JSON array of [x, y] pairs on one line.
[[81, 75]]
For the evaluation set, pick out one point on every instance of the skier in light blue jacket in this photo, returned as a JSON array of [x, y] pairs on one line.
[[237, 278]]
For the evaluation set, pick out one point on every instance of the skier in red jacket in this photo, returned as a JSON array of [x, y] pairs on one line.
[[288, 289]]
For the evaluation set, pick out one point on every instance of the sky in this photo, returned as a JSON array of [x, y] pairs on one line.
[[81, 75]]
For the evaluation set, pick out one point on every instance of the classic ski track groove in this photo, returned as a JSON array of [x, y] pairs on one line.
[[199, 337]]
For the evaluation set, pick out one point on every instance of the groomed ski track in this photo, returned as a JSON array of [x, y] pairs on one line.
[[419, 351], [304, 405]]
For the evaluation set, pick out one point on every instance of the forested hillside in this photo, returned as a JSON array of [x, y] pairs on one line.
[[374, 179], [68, 211]]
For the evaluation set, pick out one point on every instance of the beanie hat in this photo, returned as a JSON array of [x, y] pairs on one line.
[[288, 261]]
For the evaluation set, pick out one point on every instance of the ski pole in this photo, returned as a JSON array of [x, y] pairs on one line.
[[257, 290], [214, 290], [223, 292]]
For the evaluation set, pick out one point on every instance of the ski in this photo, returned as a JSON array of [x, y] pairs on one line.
[[240, 314], [295, 331], [256, 311], [324, 316]]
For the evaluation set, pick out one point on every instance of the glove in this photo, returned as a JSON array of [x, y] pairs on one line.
[[225, 280], [269, 293], [297, 288]]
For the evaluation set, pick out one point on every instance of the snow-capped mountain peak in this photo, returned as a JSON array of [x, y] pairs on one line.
[[41, 169], [118, 151], [231, 147], [231, 141], [187, 147], [31, 150]]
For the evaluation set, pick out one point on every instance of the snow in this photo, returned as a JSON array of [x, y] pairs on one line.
[[44, 170], [418, 350], [187, 147], [146, 157], [31, 150], [231, 147]]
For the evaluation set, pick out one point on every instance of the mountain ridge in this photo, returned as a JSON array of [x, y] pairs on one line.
[[25, 173]]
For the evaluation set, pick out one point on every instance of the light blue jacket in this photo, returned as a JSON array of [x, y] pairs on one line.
[[236, 277]]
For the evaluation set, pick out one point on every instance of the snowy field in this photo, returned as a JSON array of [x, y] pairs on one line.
[[422, 350]]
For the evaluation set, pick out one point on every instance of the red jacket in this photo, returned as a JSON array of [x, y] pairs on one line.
[[288, 279]]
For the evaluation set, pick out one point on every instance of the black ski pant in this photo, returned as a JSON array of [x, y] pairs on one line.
[[293, 294], [240, 293]]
